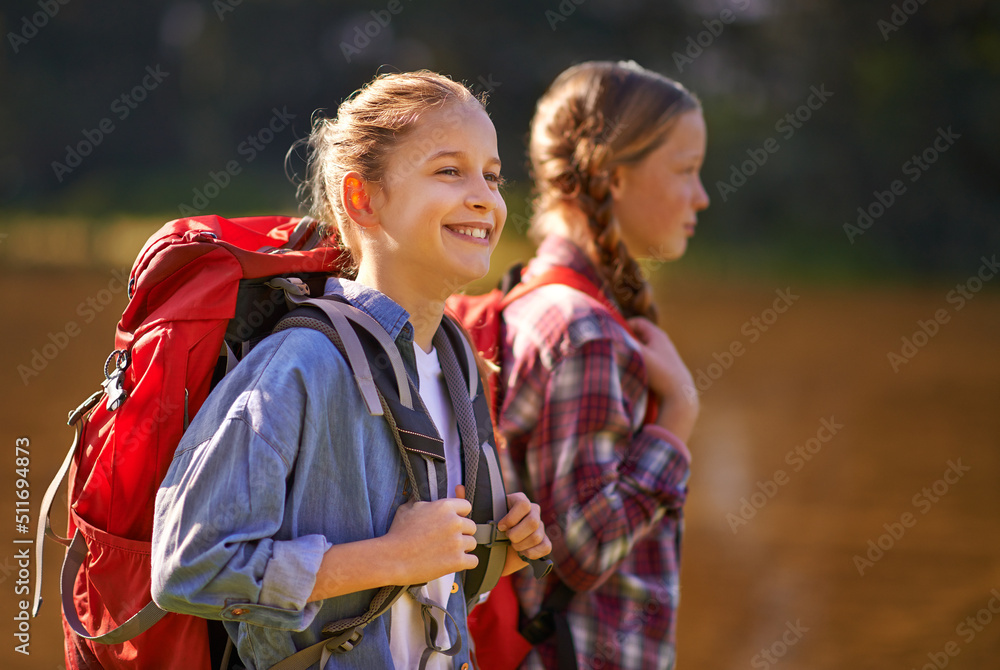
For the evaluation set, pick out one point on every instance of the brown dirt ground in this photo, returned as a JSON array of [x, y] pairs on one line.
[[792, 562]]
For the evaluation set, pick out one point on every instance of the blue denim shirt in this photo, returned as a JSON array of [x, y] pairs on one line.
[[281, 462]]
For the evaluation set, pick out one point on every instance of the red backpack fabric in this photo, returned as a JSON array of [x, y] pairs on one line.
[[494, 625], [194, 279]]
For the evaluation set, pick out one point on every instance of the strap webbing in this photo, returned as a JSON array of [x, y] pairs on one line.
[[565, 276], [498, 550], [44, 522], [142, 621], [230, 355], [45, 511], [346, 633], [431, 627], [461, 400], [339, 313]]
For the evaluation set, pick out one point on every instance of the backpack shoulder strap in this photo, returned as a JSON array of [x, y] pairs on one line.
[[339, 326], [561, 274]]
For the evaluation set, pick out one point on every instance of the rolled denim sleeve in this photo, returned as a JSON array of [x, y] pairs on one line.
[[215, 552]]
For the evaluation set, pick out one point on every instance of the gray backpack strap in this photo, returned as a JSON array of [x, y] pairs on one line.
[[76, 554], [45, 511], [487, 533], [345, 634], [431, 628], [339, 314], [462, 391], [465, 389], [139, 623]]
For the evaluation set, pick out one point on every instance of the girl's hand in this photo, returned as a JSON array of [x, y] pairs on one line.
[[524, 528], [669, 378], [432, 539]]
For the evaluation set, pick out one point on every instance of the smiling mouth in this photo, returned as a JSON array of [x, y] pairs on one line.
[[469, 231]]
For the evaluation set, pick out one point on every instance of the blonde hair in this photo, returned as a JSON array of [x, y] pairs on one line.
[[369, 125], [594, 117]]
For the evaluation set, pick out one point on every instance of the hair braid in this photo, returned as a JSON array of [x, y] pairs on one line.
[[595, 117]]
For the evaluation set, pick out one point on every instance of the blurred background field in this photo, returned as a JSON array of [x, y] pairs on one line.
[[776, 573]]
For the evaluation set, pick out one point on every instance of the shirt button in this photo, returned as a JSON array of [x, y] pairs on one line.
[[239, 611], [454, 587]]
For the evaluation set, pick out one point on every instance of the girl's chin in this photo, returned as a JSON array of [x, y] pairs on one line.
[[460, 277]]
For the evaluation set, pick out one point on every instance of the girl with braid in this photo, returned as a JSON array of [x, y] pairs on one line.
[[597, 408]]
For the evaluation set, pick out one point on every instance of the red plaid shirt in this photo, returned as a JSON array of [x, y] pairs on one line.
[[611, 489]]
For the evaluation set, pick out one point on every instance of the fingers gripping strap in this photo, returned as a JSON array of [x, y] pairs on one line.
[[346, 633], [498, 549], [140, 623]]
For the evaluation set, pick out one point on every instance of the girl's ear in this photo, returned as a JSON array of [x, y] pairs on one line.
[[357, 199], [615, 182]]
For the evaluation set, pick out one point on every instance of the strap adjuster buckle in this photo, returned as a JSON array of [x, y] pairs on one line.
[[488, 534], [348, 644]]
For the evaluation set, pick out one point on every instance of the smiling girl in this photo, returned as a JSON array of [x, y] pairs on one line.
[[596, 410], [286, 506]]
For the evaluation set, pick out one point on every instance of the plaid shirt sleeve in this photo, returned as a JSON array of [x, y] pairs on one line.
[[572, 413]]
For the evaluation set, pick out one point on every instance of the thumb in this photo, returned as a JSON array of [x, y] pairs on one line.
[[460, 491], [640, 327]]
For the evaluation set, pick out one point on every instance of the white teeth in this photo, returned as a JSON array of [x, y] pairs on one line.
[[472, 232]]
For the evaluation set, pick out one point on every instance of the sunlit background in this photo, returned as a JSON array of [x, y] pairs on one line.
[[837, 305]]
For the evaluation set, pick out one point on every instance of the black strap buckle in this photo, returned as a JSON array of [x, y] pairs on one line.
[[539, 628]]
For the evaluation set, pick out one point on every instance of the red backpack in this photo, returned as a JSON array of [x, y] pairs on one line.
[[201, 287], [495, 625]]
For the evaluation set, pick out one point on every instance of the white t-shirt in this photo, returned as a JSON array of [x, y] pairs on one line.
[[406, 639]]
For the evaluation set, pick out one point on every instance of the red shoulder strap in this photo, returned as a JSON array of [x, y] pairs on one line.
[[563, 275], [560, 274]]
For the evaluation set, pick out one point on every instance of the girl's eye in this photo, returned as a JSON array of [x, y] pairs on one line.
[[495, 178], [451, 172]]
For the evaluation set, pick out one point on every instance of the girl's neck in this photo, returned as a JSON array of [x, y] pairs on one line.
[[425, 306], [568, 221]]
